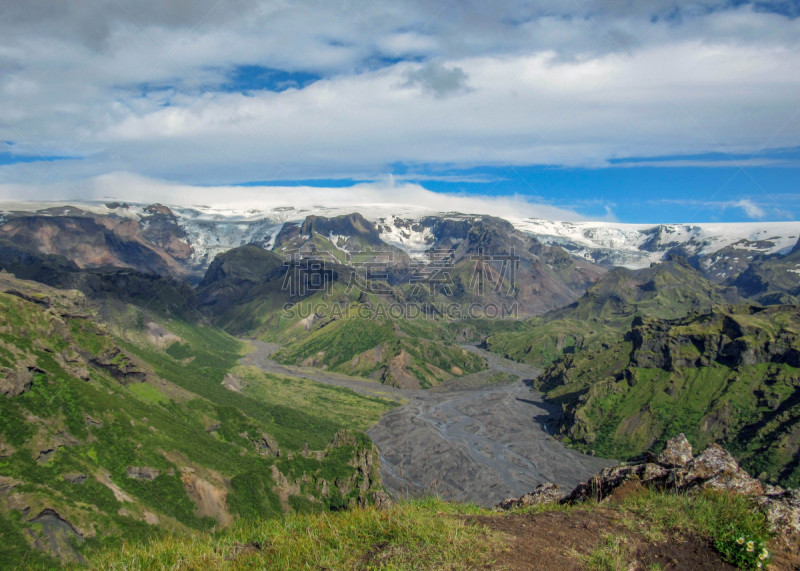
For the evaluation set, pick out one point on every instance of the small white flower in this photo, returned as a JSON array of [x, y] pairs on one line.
[[751, 546], [758, 564], [740, 540]]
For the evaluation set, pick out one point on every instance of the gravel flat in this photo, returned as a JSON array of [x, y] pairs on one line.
[[465, 440]]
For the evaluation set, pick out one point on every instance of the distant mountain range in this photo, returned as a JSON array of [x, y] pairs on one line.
[[185, 240]]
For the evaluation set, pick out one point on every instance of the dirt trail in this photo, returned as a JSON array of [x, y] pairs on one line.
[[464, 442]]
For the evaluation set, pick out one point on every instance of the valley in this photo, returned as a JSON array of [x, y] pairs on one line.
[[343, 362], [469, 440]]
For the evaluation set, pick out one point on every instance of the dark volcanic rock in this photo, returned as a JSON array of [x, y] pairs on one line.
[[118, 365], [543, 494], [674, 469], [158, 292], [268, 446], [74, 477], [348, 225], [56, 537]]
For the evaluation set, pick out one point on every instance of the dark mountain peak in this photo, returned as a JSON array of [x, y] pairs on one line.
[[668, 236], [345, 225], [159, 209]]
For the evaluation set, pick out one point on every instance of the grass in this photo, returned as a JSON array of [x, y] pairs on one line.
[[605, 312], [338, 342], [337, 405], [419, 534], [424, 346], [612, 555], [719, 517], [710, 514], [430, 534], [148, 393]]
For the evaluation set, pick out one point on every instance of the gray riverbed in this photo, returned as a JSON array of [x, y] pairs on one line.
[[465, 440]]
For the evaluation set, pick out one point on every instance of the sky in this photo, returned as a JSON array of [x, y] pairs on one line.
[[658, 111]]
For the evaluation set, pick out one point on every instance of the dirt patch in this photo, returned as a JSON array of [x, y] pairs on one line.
[[564, 540], [399, 374], [160, 337], [105, 479], [209, 499], [551, 540], [688, 554], [626, 490]]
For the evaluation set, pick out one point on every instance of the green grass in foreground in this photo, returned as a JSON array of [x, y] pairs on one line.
[[418, 534], [427, 534], [719, 517]]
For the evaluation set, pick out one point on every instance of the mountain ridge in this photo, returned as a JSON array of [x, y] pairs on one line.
[[211, 230]]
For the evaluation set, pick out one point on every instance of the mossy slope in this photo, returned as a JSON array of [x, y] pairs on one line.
[[729, 375], [123, 428]]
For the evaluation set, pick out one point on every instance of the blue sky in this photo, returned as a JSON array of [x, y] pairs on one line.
[[664, 111]]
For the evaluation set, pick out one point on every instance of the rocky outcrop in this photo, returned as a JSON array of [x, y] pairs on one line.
[[677, 453], [14, 382], [729, 375], [543, 494], [75, 477], [118, 365], [676, 470], [55, 536], [267, 445], [782, 509], [142, 472]]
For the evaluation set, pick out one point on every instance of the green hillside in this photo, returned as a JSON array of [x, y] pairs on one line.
[[396, 352], [668, 290], [123, 429], [730, 375]]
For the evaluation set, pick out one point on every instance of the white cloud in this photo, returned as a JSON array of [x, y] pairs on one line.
[[751, 209], [769, 208], [515, 83], [382, 196]]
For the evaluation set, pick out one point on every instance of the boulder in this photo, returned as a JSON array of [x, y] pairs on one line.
[[782, 509], [675, 469], [16, 381], [548, 493], [716, 469], [677, 452]]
